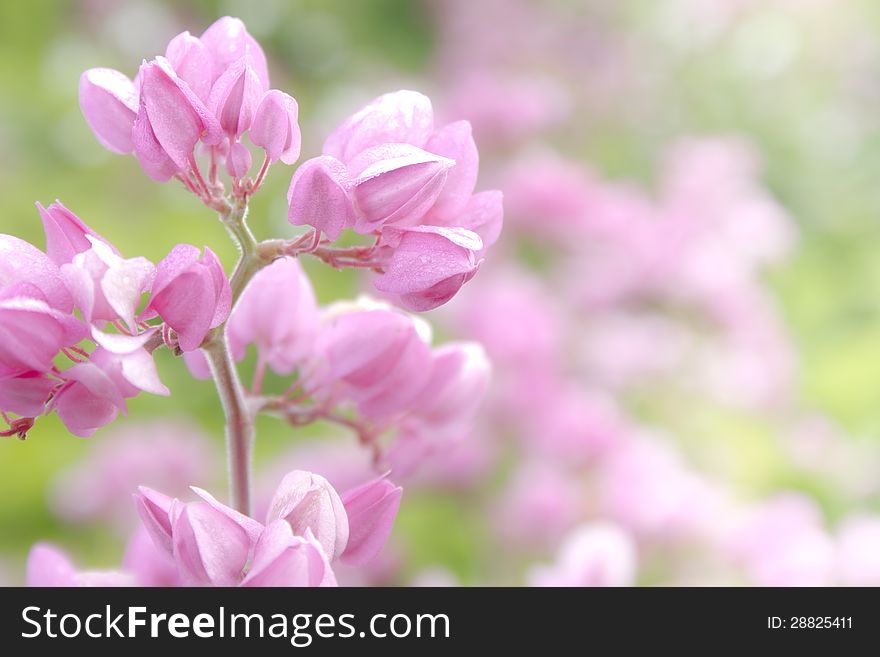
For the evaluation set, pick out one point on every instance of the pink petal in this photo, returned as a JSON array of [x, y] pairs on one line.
[[428, 256], [228, 40], [275, 128], [23, 262], [154, 510], [282, 559], [210, 549], [371, 510], [308, 501], [319, 196], [404, 117], [192, 62], [109, 103], [456, 142], [25, 394], [395, 184], [65, 233]]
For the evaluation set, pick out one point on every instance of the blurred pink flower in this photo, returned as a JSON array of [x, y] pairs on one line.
[[162, 455], [598, 554]]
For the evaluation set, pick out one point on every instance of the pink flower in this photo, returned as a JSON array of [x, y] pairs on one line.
[[539, 505], [429, 265], [211, 544], [49, 566], [171, 120], [459, 379], [235, 96], [227, 40], [308, 501], [109, 103], [192, 62], [593, 555], [159, 454], [395, 184], [275, 127], [88, 400], [105, 286], [278, 313], [66, 234], [319, 196], [191, 294], [374, 358], [371, 510]]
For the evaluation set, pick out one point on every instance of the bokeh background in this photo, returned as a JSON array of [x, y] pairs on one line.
[[744, 133]]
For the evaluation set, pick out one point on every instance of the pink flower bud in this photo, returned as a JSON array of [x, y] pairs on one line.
[[376, 359], [238, 161], [192, 62], [277, 311], [395, 184], [308, 502], [32, 330], [594, 555], [227, 40], [21, 262], [319, 196], [88, 400], [283, 559], [65, 233], [24, 394], [154, 510], [191, 294], [235, 97], [371, 510], [403, 117], [209, 547], [430, 265], [109, 103], [177, 119], [275, 128], [455, 142]]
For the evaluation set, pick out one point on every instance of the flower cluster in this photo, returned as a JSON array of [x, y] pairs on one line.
[[385, 172], [80, 300], [79, 322], [362, 364], [206, 543]]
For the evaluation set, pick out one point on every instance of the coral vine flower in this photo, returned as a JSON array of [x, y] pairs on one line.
[[191, 294], [386, 170], [307, 527]]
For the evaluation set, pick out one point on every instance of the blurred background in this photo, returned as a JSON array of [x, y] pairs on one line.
[[682, 312]]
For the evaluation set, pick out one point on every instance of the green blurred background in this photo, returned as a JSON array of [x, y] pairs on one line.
[[804, 86]]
